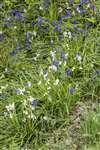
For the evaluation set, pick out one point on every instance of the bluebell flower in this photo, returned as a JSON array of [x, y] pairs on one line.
[[7, 71], [68, 72], [9, 19], [55, 63], [80, 30], [82, 12], [54, 23], [16, 13], [88, 24], [27, 35], [57, 28], [28, 84], [82, 2], [70, 2], [33, 23], [62, 18], [78, 9], [68, 13], [97, 72], [27, 44], [92, 7], [51, 42], [17, 91], [62, 55], [27, 39], [47, 20], [8, 24], [18, 46], [40, 20], [74, 22], [70, 34], [13, 53], [72, 90], [34, 103], [78, 57], [45, 72], [47, 28], [46, 3]]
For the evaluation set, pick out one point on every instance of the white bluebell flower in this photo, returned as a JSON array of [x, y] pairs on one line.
[[28, 84], [78, 57], [10, 107], [56, 82]]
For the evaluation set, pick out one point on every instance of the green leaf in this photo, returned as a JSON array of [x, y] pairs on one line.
[[92, 19]]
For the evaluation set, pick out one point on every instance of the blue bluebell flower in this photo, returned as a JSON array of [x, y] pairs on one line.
[[92, 7], [46, 3], [33, 23], [54, 23], [27, 44], [16, 13], [17, 91], [27, 35], [62, 55], [68, 72], [82, 2], [68, 13], [72, 90], [18, 46], [70, 2], [56, 63], [62, 18], [13, 53], [8, 24], [82, 12], [58, 28], [27, 39], [47, 28], [80, 30], [74, 22], [40, 20], [88, 24], [34, 103], [9, 19], [97, 71], [47, 20]]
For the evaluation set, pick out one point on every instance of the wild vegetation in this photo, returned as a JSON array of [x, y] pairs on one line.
[[50, 75]]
